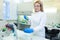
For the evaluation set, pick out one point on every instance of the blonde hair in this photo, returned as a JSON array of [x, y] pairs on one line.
[[41, 5]]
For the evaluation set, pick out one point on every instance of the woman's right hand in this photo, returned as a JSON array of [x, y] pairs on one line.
[[28, 30]]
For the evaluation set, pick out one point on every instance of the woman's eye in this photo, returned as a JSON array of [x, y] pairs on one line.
[[37, 6]]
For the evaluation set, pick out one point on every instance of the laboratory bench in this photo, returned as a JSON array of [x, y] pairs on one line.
[[50, 32], [22, 36]]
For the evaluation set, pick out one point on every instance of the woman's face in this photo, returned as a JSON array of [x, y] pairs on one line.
[[37, 7]]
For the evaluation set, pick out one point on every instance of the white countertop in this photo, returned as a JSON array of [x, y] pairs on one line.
[[24, 36]]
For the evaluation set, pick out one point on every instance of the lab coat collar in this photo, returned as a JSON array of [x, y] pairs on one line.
[[37, 13]]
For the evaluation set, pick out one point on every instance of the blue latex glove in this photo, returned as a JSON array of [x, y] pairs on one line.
[[26, 17], [28, 30]]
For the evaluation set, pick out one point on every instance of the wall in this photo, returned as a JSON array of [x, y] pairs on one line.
[[53, 18], [1, 8]]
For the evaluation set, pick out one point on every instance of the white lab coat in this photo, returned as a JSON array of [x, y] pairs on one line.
[[38, 21]]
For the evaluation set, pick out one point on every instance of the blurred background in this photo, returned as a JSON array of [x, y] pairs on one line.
[[51, 8]]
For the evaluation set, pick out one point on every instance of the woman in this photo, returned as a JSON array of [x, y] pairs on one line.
[[38, 20]]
